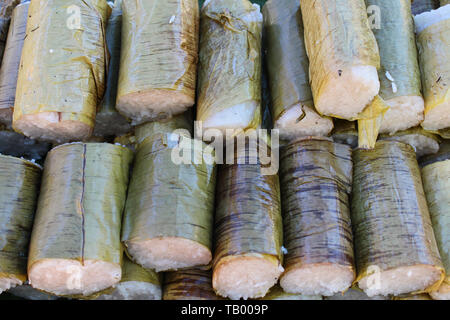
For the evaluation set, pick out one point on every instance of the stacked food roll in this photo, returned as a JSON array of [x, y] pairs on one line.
[[248, 228], [433, 40], [62, 75], [108, 121], [229, 84], [436, 182], [316, 180], [395, 247], [75, 246], [19, 181], [190, 284], [11, 60], [170, 207], [161, 82], [399, 72], [420, 6], [137, 283], [292, 103]]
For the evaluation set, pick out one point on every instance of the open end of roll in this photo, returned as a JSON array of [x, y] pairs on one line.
[[404, 113], [312, 124], [319, 279], [169, 253], [48, 126], [438, 118], [244, 277], [348, 91], [70, 277], [400, 280], [153, 105], [236, 117], [443, 293]]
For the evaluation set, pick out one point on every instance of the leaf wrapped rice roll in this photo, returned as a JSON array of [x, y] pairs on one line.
[[316, 180], [395, 247], [168, 219], [343, 56], [436, 183], [19, 183], [248, 229], [229, 84], [75, 245], [433, 40], [161, 82], [292, 102]]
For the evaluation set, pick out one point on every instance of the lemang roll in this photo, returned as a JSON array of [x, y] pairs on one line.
[[11, 61], [108, 120], [399, 72], [433, 42], [63, 73], [316, 181], [75, 245], [248, 231], [161, 82], [395, 246], [229, 79], [436, 183], [6, 8], [170, 207], [287, 63], [190, 284], [420, 6], [137, 283], [19, 184]]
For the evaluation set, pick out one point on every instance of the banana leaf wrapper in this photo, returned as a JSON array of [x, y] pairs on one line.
[[192, 284], [6, 8], [423, 142], [137, 283], [108, 120], [436, 183], [11, 61], [17, 145], [369, 127], [316, 181], [399, 74], [230, 65], [390, 217], [18, 196], [277, 293], [288, 64], [62, 77], [434, 57], [338, 37], [79, 211], [420, 6], [153, 130], [168, 200], [345, 132], [166, 76], [248, 224]]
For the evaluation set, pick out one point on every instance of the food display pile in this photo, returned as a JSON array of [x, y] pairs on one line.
[[225, 149]]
